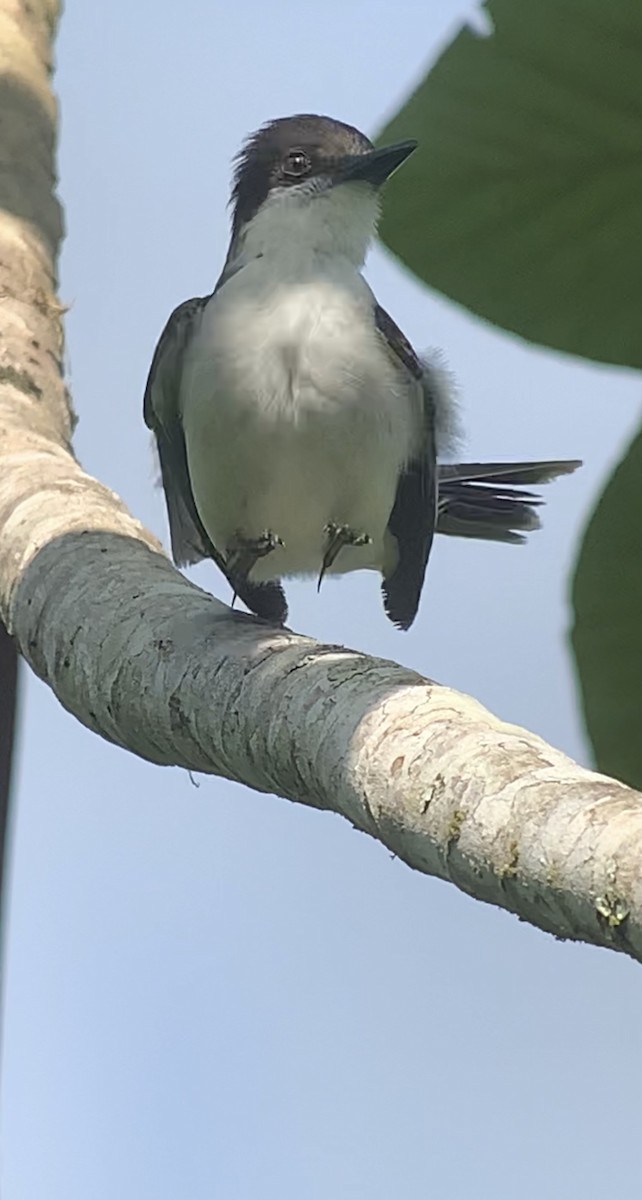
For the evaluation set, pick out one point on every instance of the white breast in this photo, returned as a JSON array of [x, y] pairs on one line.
[[295, 415]]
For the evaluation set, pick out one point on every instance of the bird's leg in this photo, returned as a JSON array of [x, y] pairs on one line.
[[243, 553], [336, 537]]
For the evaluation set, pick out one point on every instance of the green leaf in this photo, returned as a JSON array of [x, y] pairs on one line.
[[524, 199], [607, 635]]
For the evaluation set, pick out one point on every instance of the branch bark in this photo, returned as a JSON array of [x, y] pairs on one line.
[[155, 665], [27, 210]]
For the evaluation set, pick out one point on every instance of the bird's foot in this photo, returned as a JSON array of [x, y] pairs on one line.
[[336, 537], [243, 553]]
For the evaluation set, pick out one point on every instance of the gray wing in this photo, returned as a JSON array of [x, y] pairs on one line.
[[414, 513], [189, 538]]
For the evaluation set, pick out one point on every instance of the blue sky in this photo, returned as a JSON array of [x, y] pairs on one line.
[[213, 994]]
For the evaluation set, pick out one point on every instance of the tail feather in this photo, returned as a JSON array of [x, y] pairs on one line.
[[486, 501]]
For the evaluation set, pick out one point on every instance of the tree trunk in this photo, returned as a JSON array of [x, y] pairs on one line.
[[30, 229], [155, 665]]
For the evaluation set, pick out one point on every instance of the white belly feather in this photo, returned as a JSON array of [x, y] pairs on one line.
[[295, 415]]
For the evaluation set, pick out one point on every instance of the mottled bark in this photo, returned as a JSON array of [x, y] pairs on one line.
[[29, 235], [155, 665]]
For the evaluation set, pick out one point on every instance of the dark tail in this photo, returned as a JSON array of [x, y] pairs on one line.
[[487, 500]]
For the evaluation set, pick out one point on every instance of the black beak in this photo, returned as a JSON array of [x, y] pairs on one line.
[[375, 166]]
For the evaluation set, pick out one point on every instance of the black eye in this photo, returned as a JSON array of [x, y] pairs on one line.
[[296, 163]]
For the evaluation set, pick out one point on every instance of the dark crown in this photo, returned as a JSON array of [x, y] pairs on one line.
[[272, 157]]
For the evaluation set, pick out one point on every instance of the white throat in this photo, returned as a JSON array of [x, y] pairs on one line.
[[339, 222]]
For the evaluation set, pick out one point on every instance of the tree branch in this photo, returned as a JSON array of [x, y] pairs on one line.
[[155, 665]]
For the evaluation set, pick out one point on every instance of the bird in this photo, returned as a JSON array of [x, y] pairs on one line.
[[298, 432]]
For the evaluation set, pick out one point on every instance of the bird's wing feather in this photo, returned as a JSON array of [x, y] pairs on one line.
[[414, 513], [189, 538]]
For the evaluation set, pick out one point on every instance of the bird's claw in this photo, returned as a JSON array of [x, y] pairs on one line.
[[243, 553], [338, 536]]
